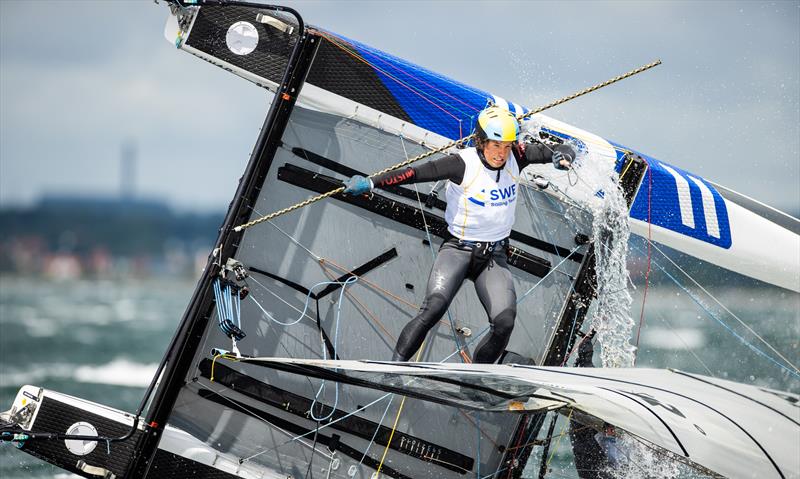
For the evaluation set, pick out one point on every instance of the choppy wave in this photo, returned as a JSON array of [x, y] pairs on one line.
[[119, 372]]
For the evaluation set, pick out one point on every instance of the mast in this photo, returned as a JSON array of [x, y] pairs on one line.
[[186, 340]]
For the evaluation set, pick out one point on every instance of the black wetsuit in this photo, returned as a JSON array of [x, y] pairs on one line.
[[485, 264]]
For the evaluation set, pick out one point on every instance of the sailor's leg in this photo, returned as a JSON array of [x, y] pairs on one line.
[[447, 274], [495, 289]]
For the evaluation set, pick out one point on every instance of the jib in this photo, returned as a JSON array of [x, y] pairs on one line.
[[504, 193]]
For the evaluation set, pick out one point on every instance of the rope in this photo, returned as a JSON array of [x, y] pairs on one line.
[[649, 253], [560, 436], [396, 420], [727, 310], [456, 143], [744, 341]]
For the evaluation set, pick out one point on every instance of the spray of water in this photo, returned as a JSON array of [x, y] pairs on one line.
[[594, 185], [612, 319]]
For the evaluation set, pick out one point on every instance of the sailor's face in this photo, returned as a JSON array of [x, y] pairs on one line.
[[496, 152]]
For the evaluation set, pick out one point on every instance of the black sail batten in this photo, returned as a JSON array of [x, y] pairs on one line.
[[299, 406], [187, 337], [432, 201], [403, 213], [576, 305]]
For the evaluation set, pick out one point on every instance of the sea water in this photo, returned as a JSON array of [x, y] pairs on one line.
[[101, 340]]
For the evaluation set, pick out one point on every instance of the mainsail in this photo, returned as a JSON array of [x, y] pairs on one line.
[[675, 207]]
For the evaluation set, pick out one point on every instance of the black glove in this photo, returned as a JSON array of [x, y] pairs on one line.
[[563, 153]]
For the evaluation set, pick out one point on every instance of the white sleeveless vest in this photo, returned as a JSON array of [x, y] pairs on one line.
[[480, 208]]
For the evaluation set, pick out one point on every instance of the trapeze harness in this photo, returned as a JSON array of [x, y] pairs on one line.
[[480, 214]]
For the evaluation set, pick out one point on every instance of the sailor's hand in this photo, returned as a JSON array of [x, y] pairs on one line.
[[358, 185], [563, 156]]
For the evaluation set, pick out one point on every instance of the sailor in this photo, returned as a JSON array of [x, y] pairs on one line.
[[481, 199]]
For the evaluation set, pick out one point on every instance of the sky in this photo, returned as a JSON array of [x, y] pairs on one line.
[[78, 79]]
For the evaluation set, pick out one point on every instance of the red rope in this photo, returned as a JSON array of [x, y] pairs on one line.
[[516, 446], [649, 251]]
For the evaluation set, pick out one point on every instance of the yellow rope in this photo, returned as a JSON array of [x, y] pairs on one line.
[[560, 435], [396, 420], [456, 143], [223, 356]]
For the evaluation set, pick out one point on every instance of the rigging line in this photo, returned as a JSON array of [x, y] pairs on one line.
[[397, 419], [672, 329], [420, 93], [293, 240], [363, 280], [350, 280], [322, 262], [453, 331], [375, 434], [439, 77], [548, 274], [728, 328], [411, 67], [649, 253], [571, 332], [391, 436], [392, 77], [725, 308], [521, 425], [527, 195], [353, 298], [555, 436], [478, 472], [277, 296], [534, 427], [447, 146], [311, 461], [305, 308], [560, 436], [371, 284], [250, 412]]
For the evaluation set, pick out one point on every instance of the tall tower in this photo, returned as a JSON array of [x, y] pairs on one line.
[[127, 179]]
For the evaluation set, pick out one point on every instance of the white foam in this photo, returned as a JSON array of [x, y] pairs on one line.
[[120, 372]]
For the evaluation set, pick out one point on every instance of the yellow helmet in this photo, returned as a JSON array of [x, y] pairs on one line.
[[495, 123]]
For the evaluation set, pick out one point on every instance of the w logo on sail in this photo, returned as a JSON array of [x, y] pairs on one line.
[[683, 203]]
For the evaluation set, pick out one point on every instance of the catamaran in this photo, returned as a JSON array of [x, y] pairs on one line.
[[280, 366]]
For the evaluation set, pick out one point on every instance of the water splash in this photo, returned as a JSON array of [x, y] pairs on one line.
[[612, 316], [636, 460]]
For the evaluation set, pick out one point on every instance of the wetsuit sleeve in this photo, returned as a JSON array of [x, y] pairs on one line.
[[450, 167], [538, 153]]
